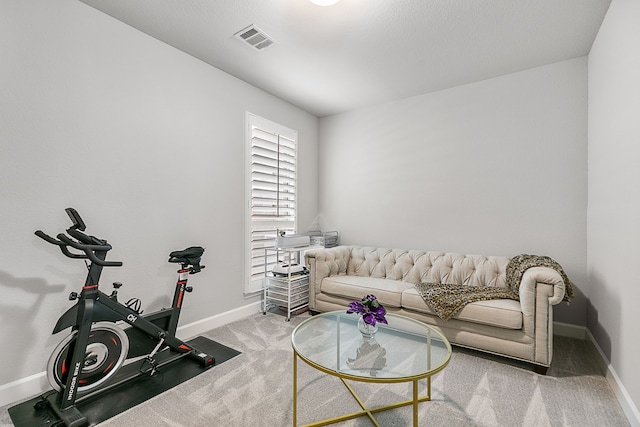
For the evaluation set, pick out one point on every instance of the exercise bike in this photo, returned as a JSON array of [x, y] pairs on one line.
[[87, 361]]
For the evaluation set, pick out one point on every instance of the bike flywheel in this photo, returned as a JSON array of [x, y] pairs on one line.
[[105, 353]]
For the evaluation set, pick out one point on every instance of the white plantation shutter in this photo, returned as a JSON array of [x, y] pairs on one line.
[[271, 192]]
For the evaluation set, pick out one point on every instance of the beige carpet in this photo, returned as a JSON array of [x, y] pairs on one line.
[[255, 389]]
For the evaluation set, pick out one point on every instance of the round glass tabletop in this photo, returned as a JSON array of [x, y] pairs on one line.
[[403, 350]]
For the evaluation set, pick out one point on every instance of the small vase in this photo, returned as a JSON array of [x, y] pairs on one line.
[[367, 330]]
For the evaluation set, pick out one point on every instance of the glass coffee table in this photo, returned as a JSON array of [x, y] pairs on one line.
[[405, 350]]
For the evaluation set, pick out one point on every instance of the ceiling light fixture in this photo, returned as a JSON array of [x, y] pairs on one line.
[[324, 2]]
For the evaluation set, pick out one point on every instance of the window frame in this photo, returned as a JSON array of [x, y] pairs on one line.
[[253, 250]]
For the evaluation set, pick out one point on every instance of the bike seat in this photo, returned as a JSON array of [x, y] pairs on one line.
[[189, 256]]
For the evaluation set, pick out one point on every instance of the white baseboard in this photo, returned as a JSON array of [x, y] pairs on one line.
[[569, 330], [628, 406], [24, 388], [194, 329], [581, 332]]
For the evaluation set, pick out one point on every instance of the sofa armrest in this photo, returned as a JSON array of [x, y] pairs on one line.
[[540, 289], [325, 263], [534, 276]]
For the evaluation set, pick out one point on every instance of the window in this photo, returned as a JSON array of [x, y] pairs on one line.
[[271, 179]]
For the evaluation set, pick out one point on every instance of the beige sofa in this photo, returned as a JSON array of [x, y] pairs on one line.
[[517, 329]]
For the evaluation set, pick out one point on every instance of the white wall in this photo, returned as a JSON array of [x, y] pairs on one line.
[[145, 141], [614, 191], [496, 167]]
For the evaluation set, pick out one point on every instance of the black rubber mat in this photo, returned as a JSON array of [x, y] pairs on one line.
[[100, 407]]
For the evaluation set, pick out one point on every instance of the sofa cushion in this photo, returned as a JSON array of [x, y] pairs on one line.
[[388, 292], [502, 313]]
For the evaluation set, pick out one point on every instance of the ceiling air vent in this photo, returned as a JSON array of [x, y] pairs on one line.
[[255, 37]]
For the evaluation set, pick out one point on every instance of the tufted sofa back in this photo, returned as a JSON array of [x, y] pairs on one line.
[[418, 266]]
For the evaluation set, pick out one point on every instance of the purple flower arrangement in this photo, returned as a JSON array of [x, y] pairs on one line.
[[370, 309]]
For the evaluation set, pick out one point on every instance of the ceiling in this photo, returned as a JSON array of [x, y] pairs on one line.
[[328, 60]]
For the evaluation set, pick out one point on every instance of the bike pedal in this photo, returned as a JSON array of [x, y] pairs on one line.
[[152, 369]]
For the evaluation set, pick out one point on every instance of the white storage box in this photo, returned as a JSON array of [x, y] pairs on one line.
[[328, 239], [292, 240]]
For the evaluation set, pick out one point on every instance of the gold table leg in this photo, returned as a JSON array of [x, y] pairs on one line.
[[365, 411], [415, 403], [295, 389]]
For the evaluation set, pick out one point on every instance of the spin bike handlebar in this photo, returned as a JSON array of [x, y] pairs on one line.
[[85, 243], [89, 251], [61, 245]]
